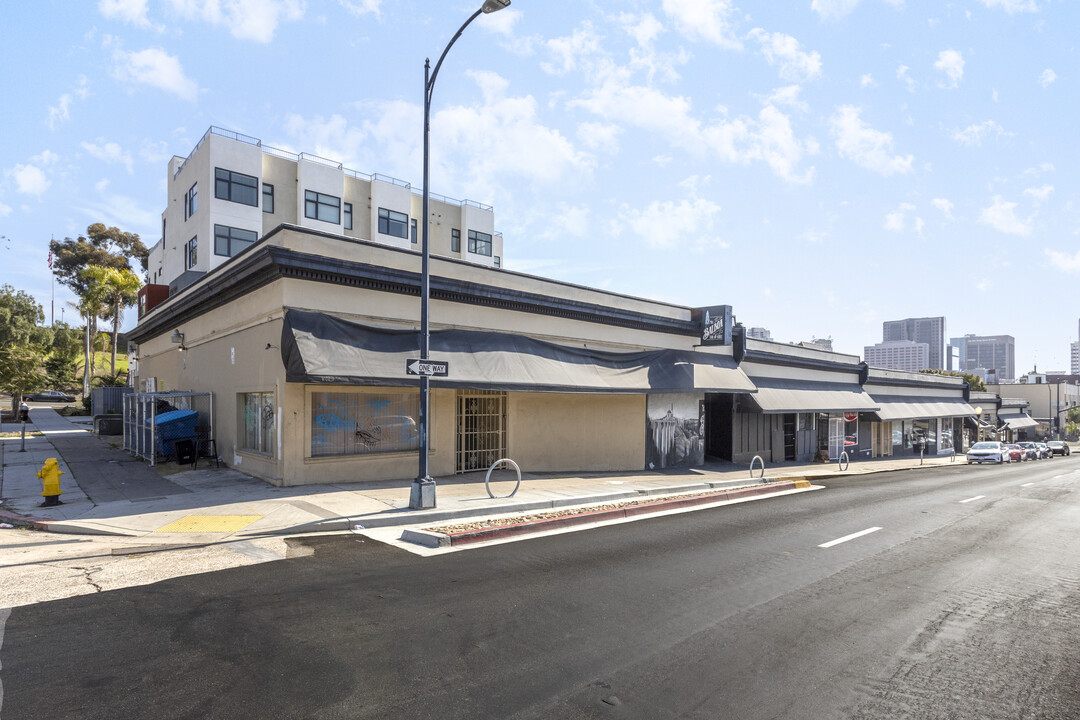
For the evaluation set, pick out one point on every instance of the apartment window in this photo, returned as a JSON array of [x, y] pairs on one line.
[[229, 241], [455, 240], [191, 201], [257, 433], [479, 243], [412, 230], [191, 253], [348, 216], [498, 261], [393, 223], [235, 187], [325, 208], [268, 198], [361, 423]]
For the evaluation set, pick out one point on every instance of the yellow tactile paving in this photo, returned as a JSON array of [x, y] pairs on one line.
[[209, 523]]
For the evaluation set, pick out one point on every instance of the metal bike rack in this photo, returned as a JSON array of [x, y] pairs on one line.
[[487, 478], [844, 461], [757, 458]]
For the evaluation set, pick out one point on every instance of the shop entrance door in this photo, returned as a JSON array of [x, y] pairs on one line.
[[481, 429], [789, 436], [836, 437]]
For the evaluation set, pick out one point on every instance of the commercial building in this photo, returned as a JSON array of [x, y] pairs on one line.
[[929, 330], [980, 354], [898, 355], [758, 333], [302, 325]]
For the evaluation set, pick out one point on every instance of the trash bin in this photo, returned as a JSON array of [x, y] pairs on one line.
[[172, 426]]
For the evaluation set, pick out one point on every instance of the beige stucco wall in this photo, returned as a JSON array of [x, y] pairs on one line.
[[549, 432]]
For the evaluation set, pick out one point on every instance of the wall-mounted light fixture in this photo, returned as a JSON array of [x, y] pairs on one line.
[[177, 337]]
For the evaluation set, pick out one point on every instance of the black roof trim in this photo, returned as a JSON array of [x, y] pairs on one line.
[[263, 264]]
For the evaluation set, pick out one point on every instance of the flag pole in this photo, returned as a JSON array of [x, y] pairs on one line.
[[52, 300]]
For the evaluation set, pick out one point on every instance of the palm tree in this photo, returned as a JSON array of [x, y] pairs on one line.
[[118, 289]]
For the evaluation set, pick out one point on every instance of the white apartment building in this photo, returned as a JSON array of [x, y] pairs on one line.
[[1074, 353], [898, 355], [232, 190]]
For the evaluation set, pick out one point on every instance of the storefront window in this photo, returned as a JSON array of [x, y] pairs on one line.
[[359, 423], [946, 435], [897, 434]]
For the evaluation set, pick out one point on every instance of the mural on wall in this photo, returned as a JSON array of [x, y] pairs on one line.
[[674, 431]]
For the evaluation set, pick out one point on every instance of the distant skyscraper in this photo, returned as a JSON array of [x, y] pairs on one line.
[[1074, 366], [987, 352], [758, 333], [898, 355], [929, 330]]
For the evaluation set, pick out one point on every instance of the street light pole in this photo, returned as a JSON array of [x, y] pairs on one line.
[[422, 494]]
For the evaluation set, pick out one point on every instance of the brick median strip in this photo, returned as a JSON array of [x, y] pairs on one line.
[[637, 507]]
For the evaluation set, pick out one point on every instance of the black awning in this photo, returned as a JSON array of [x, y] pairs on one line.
[[789, 395], [321, 348], [915, 408]]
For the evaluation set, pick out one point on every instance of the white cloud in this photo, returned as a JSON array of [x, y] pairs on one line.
[[902, 76], [5, 210], [110, 152], [1012, 6], [783, 50], [29, 179], [973, 135], [984, 285], [894, 222], [569, 52], [1043, 167], [500, 23], [833, 9], [371, 7], [709, 20], [1002, 217], [1048, 76], [129, 11], [125, 212], [866, 147], [246, 19], [45, 157], [602, 137], [1040, 194], [61, 112], [156, 68], [676, 224], [1065, 261], [944, 206], [867, 80], [813, 237], [950, 62]]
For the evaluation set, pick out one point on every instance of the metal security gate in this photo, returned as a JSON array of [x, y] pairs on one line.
[[481, 433]]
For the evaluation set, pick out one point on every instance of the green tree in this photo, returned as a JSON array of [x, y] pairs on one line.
[[119, 289], [102, 247], [63, 355], [23, 343], [975, 383]]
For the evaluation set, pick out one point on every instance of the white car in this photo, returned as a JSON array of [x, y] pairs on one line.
[[994, 452]]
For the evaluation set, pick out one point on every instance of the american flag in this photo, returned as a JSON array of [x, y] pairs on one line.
[[50, 259]]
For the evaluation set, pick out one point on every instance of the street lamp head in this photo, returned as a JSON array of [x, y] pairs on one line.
[[491, 6]]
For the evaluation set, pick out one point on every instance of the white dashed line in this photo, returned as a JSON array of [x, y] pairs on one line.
[[1027, 484], [977, 497], [852, 536]]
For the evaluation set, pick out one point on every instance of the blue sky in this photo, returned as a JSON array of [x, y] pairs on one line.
[[821, 165]]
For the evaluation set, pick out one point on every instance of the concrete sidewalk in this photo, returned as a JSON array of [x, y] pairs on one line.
[[106, 491]]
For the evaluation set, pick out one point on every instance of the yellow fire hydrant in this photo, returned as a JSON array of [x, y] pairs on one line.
[[50, 474]]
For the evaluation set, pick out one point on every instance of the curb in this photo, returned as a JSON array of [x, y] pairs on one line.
[[430, 538], [25, 520]]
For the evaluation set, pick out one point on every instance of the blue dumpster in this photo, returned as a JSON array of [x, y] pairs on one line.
[[174, 425]]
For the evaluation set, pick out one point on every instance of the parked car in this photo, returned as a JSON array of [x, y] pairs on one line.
[[1044, 450], [993, 451], [1016, 453], [50, 396], [1029, 448], [1058, 447]]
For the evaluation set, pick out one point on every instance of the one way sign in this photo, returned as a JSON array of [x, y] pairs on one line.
[[431, 368]]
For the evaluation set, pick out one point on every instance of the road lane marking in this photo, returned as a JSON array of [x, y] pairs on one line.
[[5, 613], [1027, 484], [977, 497], [852, 536]]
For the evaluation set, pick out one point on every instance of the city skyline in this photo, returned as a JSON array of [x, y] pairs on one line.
[[821, 167]]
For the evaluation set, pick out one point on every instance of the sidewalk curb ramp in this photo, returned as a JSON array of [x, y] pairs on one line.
[[434, 539], [68, 527]]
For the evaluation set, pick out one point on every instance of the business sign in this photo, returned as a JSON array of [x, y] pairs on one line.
[[431, 368], [716, 324], [851, 416]]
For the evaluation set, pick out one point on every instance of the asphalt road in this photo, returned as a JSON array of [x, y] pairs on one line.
[[963, 603]]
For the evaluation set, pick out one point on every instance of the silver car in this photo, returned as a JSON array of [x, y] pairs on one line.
[[994, 452]]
